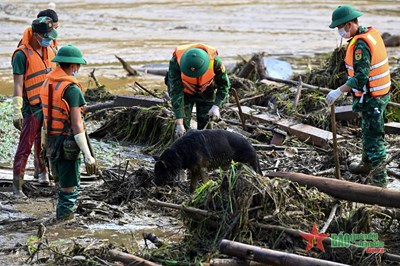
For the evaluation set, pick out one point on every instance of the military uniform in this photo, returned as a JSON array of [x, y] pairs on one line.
[[372, 111], [182, 103]]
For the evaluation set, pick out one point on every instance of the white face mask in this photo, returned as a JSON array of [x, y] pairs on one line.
[[343, 33]]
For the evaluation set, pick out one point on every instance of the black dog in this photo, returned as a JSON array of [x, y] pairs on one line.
[[200, 149]]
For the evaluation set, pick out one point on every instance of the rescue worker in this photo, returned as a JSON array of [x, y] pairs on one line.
[[369, 81], [196, 75], [63, 101], [31, 62], [26, 37], [44, 13]]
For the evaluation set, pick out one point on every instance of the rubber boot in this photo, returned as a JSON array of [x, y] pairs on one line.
[[359, 168], [66, 204], [18, 180], [44, 179]]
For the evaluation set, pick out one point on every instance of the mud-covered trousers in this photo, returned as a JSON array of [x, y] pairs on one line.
[[373, 133], [30, 135]]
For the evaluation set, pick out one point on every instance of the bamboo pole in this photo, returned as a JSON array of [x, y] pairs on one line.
[[239, 109], [129, 259], [335, 145], [269, 256], [345, 190]]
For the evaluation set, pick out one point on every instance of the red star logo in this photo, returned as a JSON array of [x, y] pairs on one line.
[[314, 237]]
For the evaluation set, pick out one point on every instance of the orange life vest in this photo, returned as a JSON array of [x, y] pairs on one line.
[[199, 84], [37, 68], [379, 75], [60, 111]]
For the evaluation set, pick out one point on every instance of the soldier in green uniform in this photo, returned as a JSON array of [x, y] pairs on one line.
[[369, 81], [62, 100], [196, 76]]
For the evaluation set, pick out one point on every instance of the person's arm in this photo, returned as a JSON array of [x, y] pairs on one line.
[[361, 64], [175, 88], [18, 65], [221, 81]]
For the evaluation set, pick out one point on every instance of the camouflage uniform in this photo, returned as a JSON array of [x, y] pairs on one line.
[[182, 103], [372, 110]]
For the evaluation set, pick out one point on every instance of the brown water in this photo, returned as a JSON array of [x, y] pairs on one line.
[[145, 31]]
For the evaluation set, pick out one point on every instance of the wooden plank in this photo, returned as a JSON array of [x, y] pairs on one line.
[[345, 113], [136, 100], [310, 134], [392, 128]]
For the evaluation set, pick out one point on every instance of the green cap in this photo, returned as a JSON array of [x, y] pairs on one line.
[[45, 27], [343, 14], [194, 62], [69, 54]]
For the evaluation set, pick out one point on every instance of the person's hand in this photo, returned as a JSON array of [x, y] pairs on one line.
[[332, 96], [17, 114], [214, 113], [90, 164], [180, 128]]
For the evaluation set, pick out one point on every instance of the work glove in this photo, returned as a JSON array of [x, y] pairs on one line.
[[332, 96], [180, 128], [90, 162], [214, 113], [17, 114]]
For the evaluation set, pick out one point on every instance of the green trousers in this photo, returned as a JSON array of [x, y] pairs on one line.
[[373, 133], [203, 105]]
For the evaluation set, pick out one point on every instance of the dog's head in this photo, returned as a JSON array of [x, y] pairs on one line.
[[163, 174]]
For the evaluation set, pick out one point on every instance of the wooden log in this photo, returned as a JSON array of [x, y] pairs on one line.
[[234, 262], [310, 134], [345, 190], [334, 140], [179, 207], [127, 67], [137, 100], [129, 259], [312, 87], [247, 69], [99, 106], [260, 66], [269, 256]]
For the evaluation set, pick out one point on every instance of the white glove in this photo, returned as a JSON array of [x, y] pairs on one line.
[[17, 114], [332, 96], [90, 162], [214, 113], [180, 128]]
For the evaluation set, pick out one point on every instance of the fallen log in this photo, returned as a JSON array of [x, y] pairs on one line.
[[269, 256], [179, 207], [127, 67], [129, 259], [345, 190], [311, 87], [99, 106]]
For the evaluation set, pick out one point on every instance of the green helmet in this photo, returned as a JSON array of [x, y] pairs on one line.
[[69, 54], [343, 14], [194, 62]]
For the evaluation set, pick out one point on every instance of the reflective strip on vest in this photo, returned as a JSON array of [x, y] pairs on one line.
[[379, 75], [37, 67]]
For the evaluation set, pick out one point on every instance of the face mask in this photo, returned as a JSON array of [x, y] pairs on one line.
[[75, 73], [45, 42], [343, 33]]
